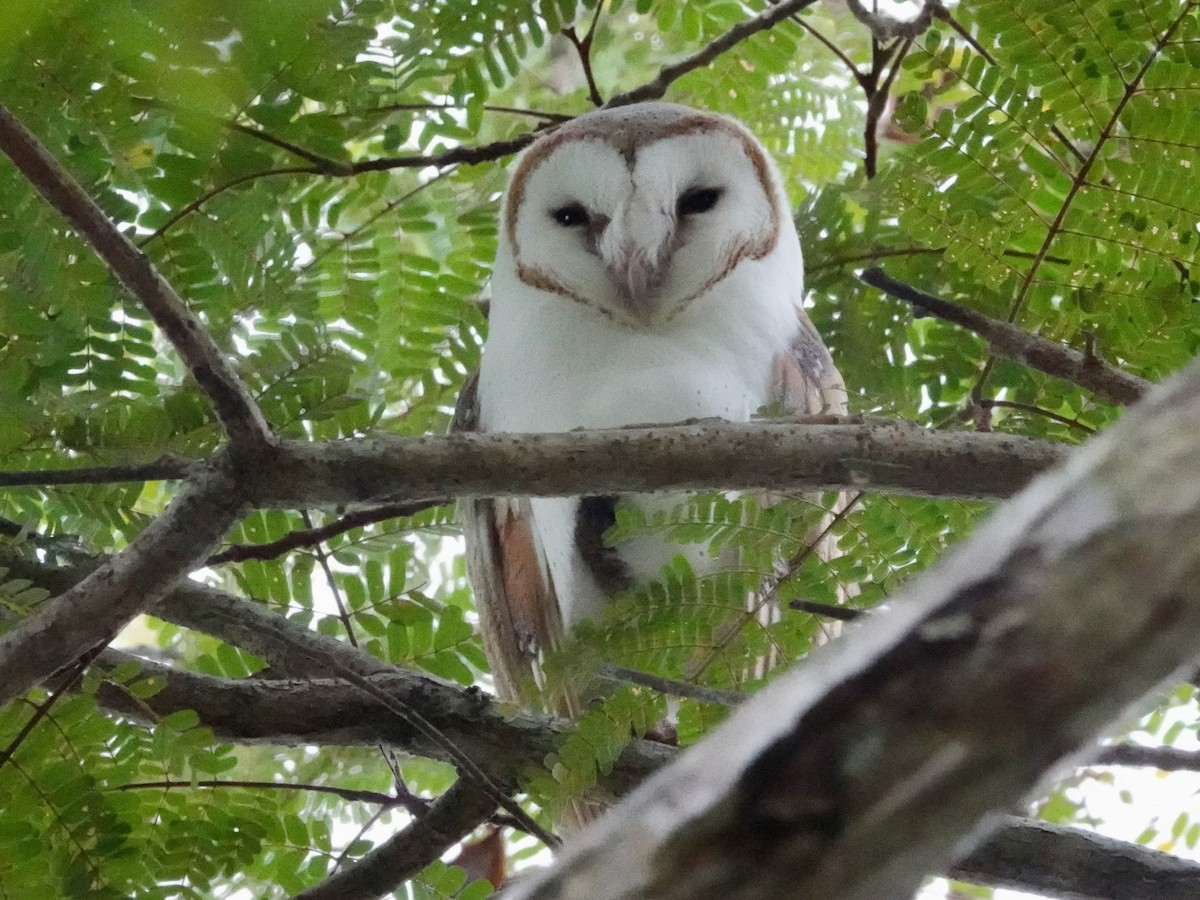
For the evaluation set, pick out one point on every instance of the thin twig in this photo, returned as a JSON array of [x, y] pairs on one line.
[[583, 47], [988, 403], [551, 117], [189, 208], [234, 406], [668, 75], [827, 610], [307, 537], [1008, 340], [41, 710], [415, 805], [833, 48], [167, 467], [670, 686]]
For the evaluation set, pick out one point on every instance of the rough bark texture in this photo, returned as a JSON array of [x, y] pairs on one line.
[[331, 712], [822, 454], [95, 608], [860, 772], [1029, 855]]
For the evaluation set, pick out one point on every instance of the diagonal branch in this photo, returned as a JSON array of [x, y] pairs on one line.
[[668, 75], [1007, 340], [232, 402], [452, 817], [82, 616], [862, 770], [308, 537], [333, 712]]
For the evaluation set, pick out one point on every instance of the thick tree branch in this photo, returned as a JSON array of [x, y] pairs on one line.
[[1168, 759], [861, 771], [1004, 339], [324, 710], [94, 609], [232, 402], [1028, 855], [822, 453], [1022, 854], [668, 75], [452, 817], [333, 712]]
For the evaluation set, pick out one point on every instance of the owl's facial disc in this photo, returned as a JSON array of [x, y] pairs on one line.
[[637, 243]]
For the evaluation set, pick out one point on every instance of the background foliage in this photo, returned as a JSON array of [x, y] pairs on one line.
[[1034, 159]]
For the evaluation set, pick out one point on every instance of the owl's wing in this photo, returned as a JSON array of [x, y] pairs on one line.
[[518, 610], [806, 382], [804, 379]]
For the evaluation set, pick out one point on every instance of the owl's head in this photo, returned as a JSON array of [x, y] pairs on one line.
[[635, 212]]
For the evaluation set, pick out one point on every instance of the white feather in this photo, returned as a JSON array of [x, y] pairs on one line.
[[554, 363]]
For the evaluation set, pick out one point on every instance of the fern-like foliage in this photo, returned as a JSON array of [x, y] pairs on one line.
[[279, 162]]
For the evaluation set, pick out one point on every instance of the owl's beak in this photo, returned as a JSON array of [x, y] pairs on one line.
[[638, 278], [637, 247]]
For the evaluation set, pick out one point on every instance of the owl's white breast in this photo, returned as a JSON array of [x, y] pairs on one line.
[[553, 364]]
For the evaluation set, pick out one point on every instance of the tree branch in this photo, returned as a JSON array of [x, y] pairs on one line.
[[583, 47], [94, 609], [334, 712], [350, 795], [1028, 855], [822, 453], [452, 817], [1168, 759], [668, 75], [232, 402], [1005, 339], [886, 28], [166, 468], [859, 772]]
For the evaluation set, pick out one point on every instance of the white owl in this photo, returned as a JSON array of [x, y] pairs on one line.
[[648, 272]]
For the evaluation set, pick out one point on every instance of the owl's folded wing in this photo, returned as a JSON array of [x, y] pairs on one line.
[[805, 380], [518, 611]]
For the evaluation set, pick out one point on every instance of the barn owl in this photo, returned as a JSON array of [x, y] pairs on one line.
[[648, 271]]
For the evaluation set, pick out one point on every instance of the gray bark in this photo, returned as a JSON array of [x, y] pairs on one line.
[[826, 453], [885, 755]]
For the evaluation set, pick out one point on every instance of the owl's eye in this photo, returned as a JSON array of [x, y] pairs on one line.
[[571, 215], [696, 201]]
